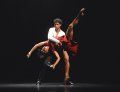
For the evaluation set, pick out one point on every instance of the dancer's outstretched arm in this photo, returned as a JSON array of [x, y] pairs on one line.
[[35, 47], [57, 60]]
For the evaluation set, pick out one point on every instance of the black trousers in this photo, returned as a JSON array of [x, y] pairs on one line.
[[45, 68]]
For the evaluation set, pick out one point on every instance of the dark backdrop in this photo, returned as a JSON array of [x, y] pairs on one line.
[[26, 22]]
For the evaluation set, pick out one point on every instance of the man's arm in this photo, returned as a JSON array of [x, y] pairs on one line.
[[50, 36], [35, 47], [53, 39], [57, 60]]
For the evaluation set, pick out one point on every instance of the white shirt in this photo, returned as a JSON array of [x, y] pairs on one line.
[[52, 35]]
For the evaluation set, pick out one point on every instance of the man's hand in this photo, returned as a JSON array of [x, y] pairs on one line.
[[59, 44]]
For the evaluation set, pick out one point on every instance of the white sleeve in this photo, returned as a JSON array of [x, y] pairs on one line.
[[63, 33], [50, 36]]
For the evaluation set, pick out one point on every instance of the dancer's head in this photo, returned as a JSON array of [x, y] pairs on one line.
[[57, 23], [45, 49]]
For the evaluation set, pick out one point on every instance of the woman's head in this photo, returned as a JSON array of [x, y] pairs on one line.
[[45, 49]]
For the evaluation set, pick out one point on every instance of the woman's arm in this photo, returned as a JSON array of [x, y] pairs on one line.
[[57, 60], [35, 47]]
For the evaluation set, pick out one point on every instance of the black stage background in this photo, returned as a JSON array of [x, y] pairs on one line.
[[26, 22]]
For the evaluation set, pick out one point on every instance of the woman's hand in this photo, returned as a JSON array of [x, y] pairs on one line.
[[52, 66], [29, 55]]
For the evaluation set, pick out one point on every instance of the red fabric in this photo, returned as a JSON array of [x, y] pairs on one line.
[[72, 47], [68, 45], [46, 44], [53, 44]]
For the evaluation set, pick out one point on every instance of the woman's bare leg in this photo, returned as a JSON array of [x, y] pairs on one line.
[[69, 32], [67, 64]]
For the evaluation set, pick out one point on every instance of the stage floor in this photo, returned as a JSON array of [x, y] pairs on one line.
[[57, 87]]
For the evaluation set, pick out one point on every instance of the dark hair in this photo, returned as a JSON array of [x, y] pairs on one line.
[[57, 20]]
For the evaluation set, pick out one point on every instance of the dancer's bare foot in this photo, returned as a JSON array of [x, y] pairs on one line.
[[82, 12]]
